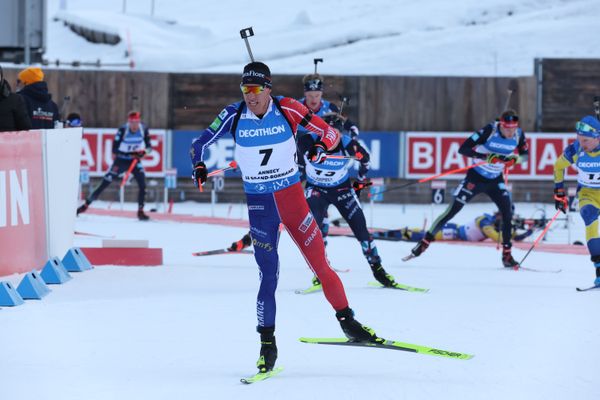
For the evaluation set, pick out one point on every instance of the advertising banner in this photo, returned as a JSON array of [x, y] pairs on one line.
[[22, 203], [430, 153]]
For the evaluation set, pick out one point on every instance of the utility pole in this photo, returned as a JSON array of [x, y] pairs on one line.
[[26, 33]]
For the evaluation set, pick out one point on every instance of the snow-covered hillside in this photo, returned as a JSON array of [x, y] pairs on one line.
[[379, 37]]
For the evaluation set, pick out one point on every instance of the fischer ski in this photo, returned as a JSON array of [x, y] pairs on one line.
[[312, 289], [261, 376], [391, 345], [588, 288], [399, 286], [342, 270], [221, 251], [547, 271], [408, 257]]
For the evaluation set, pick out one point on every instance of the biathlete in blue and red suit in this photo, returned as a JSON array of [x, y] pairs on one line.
[[264, 129], [329, 183]]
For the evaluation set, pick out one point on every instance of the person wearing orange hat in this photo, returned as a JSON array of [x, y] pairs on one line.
[[42, 111], [132, 142]]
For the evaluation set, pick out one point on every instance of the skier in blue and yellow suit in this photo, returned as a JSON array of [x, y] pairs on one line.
[[584, 153]]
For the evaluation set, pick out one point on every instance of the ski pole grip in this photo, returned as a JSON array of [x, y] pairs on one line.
[[245, 34]]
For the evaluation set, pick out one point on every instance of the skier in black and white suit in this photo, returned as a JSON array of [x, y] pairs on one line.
[[132, 142], [329, 183]]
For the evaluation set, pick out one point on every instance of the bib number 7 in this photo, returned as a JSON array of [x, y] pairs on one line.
[[266, 156]]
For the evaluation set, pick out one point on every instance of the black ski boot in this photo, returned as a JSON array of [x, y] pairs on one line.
[[596, 261], [353, 329], [82, 208], [315, 281], [141, 216], [268, 349], [507, 259], [241, 244], [382, 277], [422, 245]]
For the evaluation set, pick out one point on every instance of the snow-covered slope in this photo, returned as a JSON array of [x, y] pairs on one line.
[[389, 37], [187, 330]]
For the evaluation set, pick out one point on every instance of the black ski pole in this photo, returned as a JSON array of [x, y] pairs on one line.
[[597, 106], [541, 235], [245, 34]]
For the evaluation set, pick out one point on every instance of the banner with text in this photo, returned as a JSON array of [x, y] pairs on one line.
[[22, 203], [431, 153]]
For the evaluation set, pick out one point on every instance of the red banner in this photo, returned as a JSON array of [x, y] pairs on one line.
[[22, 206], [96, 151], [430, 153]]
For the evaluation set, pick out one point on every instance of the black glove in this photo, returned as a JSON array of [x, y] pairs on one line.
[[317, 153], [241, 244], [360, 185], [509, 160], [199, 174], [560, 200]]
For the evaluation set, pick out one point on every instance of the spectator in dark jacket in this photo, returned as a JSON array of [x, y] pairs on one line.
[[43, 112], [13, 111]]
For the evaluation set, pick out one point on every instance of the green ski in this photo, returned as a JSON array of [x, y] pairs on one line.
[[392, 345], [400, 287], [261, 376], [312, 289]]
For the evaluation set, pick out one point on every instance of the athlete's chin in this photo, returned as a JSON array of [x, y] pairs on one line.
[[256, 107]]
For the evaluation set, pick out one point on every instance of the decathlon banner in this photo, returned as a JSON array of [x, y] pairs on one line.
[[22, 203], [96, 151], [431, 153]]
